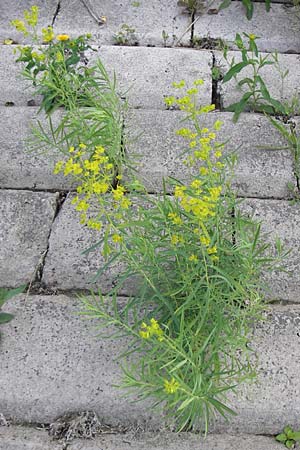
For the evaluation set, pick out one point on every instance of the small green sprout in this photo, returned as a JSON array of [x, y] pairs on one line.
[[289, 437]]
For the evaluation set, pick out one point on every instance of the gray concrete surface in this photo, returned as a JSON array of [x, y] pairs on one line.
[[284, 92], [53, 364], [280, 219], [20, 168], [25, 222], [259, 172], [147, 73], [282, 19], [21, 438], [66, 267], [13, 9], [148, 19]]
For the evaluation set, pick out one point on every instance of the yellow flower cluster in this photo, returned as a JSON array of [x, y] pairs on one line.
[[31, 18], [171, 386], [148, 331], [48, 34]]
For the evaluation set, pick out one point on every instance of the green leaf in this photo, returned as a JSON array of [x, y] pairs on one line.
[[225, 4], [290, 443], [5, 317], [240, 106], [282, 437], [296, 435], [249, 8], [235, 70], [263, 88], [7, 294], [239, 41], [268, 5]]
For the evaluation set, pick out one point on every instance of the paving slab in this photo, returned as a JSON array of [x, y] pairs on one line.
[[13, 9], [53, 364], [148, 73], [280, 219], [21, 438], [20, 168], [281, 91], [25, 223], [259, 173], [66, 267], [229, 21], [148, 19]]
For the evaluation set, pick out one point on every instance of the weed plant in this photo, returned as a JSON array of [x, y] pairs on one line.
[[198, 267], [256, 96], [194, 259]]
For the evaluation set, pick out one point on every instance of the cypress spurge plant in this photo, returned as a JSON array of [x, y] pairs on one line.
[[198, 266]]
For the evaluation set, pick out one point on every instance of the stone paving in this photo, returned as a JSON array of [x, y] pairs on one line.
[[52, 362]]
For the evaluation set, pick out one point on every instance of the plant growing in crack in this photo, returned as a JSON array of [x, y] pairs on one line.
[[289, 437], [258, 98], [125, 36]]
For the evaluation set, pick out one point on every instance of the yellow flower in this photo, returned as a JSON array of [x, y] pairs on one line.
[[94, 225], [118, 193], [179, 85], [116, 238], [81, 145], [218, 124], [175, 218], [171, 386], [192, 91], [212, 250], [19, 26], [203, 171], [198, 82], [62, 37], [252, 37], [82, 206], [147, 331], [47, 34], [205, 240], [196, 184], [218, 154], [31, 17], [58, 167], [100, 187], [59, 57], [193, 258]]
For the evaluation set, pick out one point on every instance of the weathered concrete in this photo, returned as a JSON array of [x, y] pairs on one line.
[[259, 172], [148, 73], [20, 168], [148, 19], [232, 20], [13, 9], [13, 88], [65, 265], [280, 219], [25, 222], [21, 438], [53, 364], [280, 91]]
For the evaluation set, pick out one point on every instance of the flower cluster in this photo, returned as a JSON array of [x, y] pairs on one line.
[[148, 331], [171, 386]]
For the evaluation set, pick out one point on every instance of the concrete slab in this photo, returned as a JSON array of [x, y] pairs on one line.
[[21, 438], [148, 19], [259, 172], [281, 91], [25, 223], [53, 364], [66, 267], [20, 168], [13, 9], [280, 219], [147, 73], [232, 20], [13, 88]]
